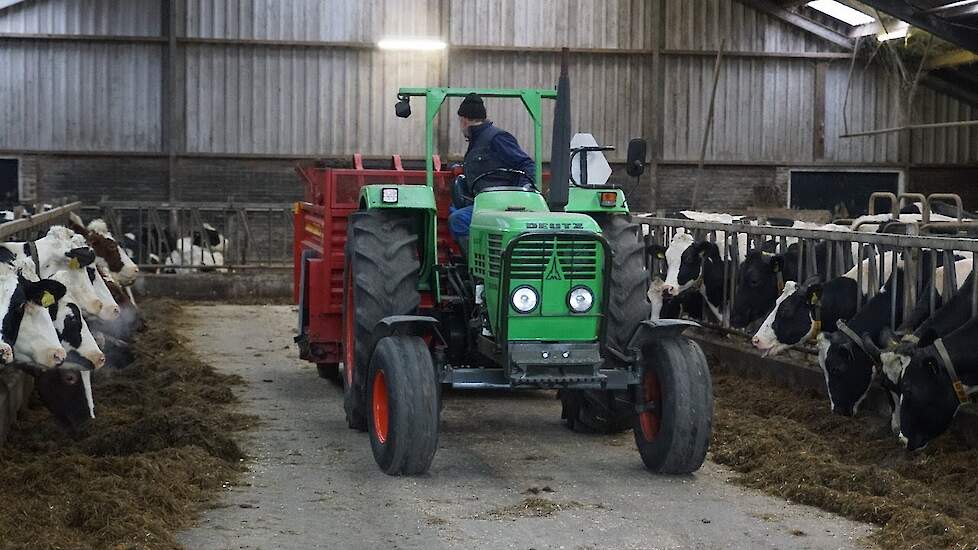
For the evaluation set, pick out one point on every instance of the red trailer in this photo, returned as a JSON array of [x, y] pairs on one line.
[[331, 195]]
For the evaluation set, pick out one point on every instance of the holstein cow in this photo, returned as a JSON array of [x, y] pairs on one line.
[[693, 267], [82, 352], [937, 381], [847, 364], [60, 252], [800, 316], [27, 326], [108, 253]]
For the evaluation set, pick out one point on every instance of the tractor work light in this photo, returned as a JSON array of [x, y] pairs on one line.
[[580, 299], [608, 198], [388, 195], [412, 44], [525, 299]]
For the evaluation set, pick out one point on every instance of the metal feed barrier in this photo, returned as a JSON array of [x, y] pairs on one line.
[[36, 225], [838, 257], [258, 235]]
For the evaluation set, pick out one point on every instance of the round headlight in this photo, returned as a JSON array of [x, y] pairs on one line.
[[580, 299], [525, 299]]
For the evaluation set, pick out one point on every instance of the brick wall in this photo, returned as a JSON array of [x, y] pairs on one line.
[[268, 180]]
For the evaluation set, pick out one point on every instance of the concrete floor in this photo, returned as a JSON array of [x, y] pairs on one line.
[[313, 482]]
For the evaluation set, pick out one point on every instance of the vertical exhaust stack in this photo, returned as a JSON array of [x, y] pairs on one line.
[[560, 146]]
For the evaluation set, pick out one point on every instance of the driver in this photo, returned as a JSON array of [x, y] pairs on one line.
[[490, 149]]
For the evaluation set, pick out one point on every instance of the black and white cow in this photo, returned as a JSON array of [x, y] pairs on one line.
[[692, 268], [801, 315], [27, 326], [848, 366], [937, 381]]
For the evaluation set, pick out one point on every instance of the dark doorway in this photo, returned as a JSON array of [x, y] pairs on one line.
[[844, 194], [9, 181]]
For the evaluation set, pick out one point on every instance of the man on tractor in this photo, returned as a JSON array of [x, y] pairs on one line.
[[494, 159]]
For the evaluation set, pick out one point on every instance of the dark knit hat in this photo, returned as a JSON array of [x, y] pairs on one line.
[[472, 107]]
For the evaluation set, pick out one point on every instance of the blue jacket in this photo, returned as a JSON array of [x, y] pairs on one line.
[[507, 150]]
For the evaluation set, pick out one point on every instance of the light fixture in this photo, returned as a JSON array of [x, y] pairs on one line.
[[525, 299], [841, 12], [894, 34], [411, 44]]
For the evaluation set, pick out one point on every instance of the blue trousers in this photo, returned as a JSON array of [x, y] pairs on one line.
[[459, 220]]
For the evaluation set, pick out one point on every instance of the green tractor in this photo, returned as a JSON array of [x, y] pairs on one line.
[[551, 294]]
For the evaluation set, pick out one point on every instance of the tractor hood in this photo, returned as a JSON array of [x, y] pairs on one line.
[[517, 212]]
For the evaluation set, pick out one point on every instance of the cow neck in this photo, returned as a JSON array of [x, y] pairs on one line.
[[851, 335], [959, 390], [780, 276]]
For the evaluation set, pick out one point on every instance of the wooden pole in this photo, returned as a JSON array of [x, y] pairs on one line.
[[709, 124]]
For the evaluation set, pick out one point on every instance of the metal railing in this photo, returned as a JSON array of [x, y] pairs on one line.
[[842, 250], [36, 225], [174, 236]]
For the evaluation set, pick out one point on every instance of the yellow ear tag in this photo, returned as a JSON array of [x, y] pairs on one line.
[[73, 263], [814, 299], [661, 256], [47, 299]]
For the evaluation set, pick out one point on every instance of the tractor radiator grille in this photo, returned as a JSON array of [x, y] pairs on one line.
[[494, 247], [578, 258]]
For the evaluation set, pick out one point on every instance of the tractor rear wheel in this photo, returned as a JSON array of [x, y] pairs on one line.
[[609, 411], [404, 406], [381, 280], [675, 424]]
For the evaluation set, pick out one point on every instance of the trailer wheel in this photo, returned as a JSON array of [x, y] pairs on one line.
[[329, 371], [608, 411], [675, 398], [404, 406], [381, 279]]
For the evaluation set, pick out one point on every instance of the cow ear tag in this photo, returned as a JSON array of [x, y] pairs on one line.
[[73, 263], [47, 299], [660, 255]]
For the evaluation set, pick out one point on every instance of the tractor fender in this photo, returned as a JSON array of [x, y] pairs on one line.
[[650, 331], [410, 325]]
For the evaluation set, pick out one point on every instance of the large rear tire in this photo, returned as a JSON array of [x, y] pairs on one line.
[[404, 406], [674, 433], [608, 411], [381, 280]]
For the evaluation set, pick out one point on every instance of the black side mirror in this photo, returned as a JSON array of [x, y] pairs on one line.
[[635, 163], [403, 106]]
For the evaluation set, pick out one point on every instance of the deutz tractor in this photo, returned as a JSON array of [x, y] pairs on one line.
[[551, 293]]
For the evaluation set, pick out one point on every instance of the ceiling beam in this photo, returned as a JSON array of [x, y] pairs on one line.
[[962, 8], [936, 25], [952, 58], [799, 21]]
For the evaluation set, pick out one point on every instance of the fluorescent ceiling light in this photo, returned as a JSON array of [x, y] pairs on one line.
[[415, 44], [841, 12], [894, 34]]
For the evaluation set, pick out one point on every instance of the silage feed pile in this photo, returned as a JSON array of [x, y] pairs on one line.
[[161, 446], [789, 444]]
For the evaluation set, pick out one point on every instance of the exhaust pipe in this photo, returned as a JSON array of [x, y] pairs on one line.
[[560, 146]]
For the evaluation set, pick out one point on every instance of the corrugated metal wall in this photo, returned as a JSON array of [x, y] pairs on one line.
[[84, 96], [294, 99]]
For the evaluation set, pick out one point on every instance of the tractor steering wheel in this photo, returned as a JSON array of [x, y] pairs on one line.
[[511, 172]]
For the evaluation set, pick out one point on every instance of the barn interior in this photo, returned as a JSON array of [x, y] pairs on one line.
[[184, 185]]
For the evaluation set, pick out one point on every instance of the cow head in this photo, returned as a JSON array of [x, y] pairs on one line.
[[111, 256], [680, 242], [792, 321], [63, 392], [757, 287], [75, 335], [27, 324], [848, 372], [927, 400], [110, 308]]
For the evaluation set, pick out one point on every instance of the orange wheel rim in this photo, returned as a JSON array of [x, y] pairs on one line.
[[650, 420], [348, 331], [381, 412]]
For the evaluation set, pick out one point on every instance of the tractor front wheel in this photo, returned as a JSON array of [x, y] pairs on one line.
[[675, 407], [403, 397]]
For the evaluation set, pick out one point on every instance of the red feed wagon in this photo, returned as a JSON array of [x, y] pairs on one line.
[[331, 195]]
